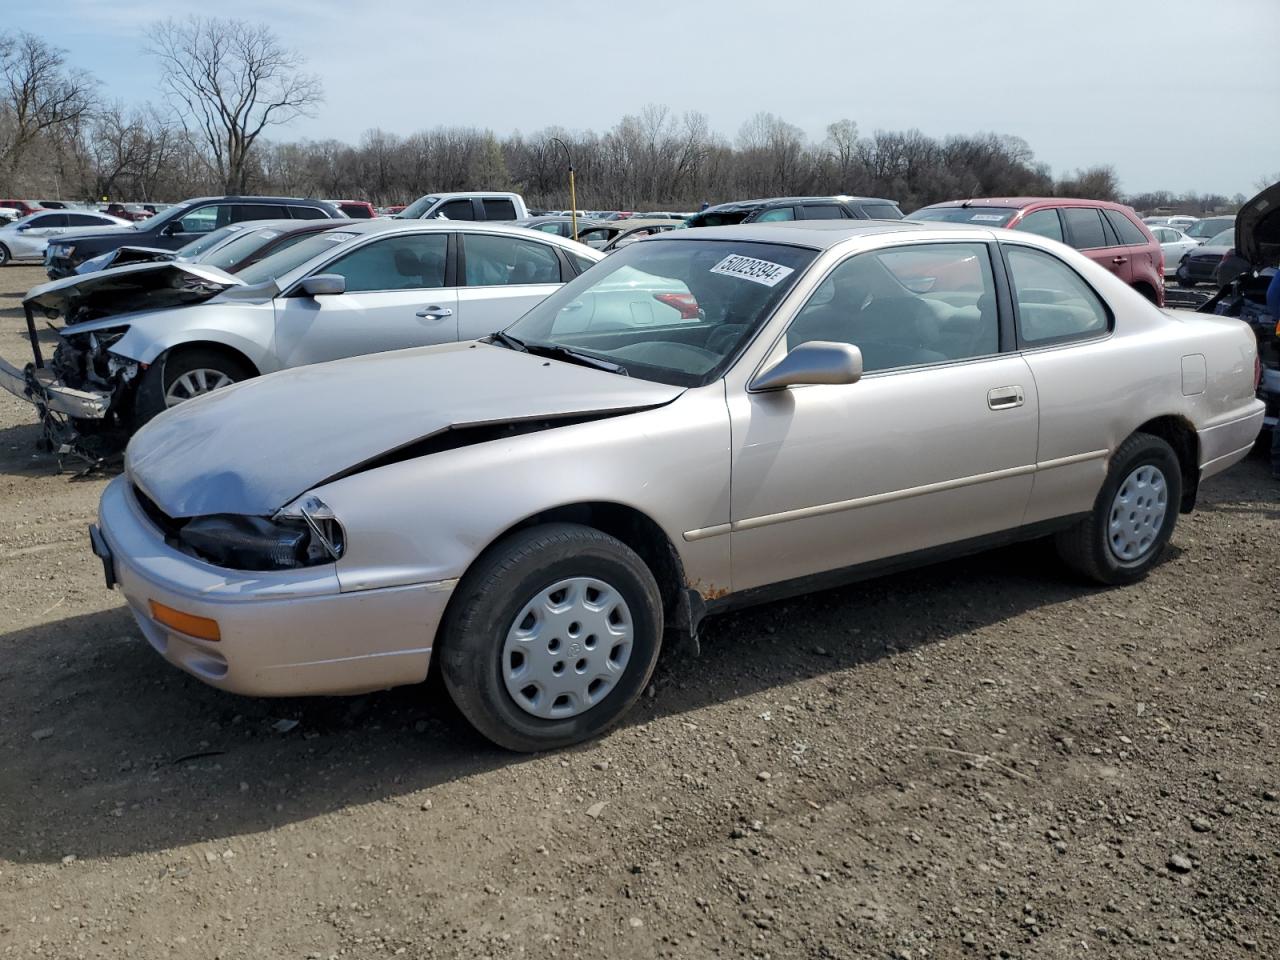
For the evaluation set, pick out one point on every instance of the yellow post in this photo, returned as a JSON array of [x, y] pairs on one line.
[[573, 204]]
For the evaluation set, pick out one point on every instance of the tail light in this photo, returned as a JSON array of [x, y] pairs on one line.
[[686, 303], [1257, 368]]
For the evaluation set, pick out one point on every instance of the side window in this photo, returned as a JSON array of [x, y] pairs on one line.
[[922, 303], [258, 211], [456, 210], [776, 214], [1054, 302], [1124, 228], [496, 260], [554, 227], [824, 211], [204, 219], [1043, 223], [86, 220], [396, 263], [496, 208], [307, 213], [1085, 226], [881, 211], [48, 220]]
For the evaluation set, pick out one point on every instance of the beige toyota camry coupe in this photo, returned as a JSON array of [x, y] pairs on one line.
[[705, 419]]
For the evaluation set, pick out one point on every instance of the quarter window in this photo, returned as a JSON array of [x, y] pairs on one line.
[[307, 213], [396, 263], [1043, 223], [1085, 226], [1124, 228], [494, 260], [905, 306], [1054, 302]]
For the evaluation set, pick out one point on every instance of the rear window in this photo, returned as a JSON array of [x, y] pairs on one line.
[[720, 219], [1204, 229], [1125, 229], [981, 216]]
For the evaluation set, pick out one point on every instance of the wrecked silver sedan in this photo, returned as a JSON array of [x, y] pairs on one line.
[[144, 337], [704, 419]]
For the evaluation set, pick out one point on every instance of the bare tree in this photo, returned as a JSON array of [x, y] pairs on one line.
[[230, 80], [38, 94]]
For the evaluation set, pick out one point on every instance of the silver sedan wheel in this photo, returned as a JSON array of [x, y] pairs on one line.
[[1137, 514], [193, 383], [567, 648]]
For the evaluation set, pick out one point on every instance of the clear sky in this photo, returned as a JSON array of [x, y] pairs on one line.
[[1176, 94]]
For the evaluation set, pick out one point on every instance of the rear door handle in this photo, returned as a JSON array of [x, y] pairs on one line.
[[1119, 260], [434, 313], [1004, 398]]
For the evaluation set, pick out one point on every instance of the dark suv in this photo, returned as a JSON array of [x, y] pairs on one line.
[[1109, 234], [178, 226], [795, 208]]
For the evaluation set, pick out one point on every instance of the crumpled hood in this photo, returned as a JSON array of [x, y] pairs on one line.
[[1258, 228], [129, 289], [121, 256], [254, 447]]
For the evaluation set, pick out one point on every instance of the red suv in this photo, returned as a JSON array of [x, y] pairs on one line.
[[1109, 234], [23, 207]]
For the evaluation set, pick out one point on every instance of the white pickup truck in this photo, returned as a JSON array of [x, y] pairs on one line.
[[476, 205]]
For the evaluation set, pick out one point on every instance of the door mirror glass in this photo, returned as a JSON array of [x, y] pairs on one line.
[[324, 285], [816, 361]]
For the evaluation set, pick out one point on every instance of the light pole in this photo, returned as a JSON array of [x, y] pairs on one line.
[[573, 196]]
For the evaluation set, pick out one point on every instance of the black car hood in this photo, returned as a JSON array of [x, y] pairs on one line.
[[122, 230], [1258, 228]]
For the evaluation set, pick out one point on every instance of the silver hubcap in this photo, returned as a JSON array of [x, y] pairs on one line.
[[567, 648], [193, 383], [1137, 513]]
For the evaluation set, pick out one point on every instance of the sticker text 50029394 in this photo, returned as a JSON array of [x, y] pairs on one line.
[[749, 268]]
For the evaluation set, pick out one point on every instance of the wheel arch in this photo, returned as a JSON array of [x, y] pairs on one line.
[[1179, 433], [1147, 290], [215, 346]]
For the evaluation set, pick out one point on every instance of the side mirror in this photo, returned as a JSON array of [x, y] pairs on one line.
[[172, 229], [818, 361], [324, 285]]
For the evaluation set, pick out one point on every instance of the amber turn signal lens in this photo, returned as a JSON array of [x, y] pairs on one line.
[[200, 627]]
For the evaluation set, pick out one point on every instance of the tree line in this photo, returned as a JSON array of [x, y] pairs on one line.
[[227, 82]]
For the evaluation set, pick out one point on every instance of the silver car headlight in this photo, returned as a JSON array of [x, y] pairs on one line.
[[303, 534]]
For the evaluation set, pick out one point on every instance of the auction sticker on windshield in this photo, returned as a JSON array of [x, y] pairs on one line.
[[749, 268]]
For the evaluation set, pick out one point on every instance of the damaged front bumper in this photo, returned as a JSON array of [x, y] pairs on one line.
[[40, 386]]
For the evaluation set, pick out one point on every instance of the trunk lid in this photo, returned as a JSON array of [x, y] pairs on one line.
[[1258, 228]]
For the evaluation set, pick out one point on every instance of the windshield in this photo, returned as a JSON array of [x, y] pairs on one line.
[[208, 241], [230, 255], [673, 311], [160, 219], [292, 257], [416, 209], [987, 216], [1224, 239], [1204, 229]]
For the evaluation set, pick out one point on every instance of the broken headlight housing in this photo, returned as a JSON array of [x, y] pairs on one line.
[[303, 534]]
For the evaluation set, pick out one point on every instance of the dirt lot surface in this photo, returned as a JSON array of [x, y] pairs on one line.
[[978, 759]]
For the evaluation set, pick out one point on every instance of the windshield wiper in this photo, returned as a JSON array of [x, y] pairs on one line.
[[508, 341], [573, 356]]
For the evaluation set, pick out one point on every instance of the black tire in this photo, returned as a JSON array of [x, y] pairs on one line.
[[171, 365], [494, 591], [4, 255], [1086, 547]]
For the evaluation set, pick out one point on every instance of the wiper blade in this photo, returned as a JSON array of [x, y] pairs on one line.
[[508, 341], [573, 356]]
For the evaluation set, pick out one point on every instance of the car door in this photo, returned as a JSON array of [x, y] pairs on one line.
[[396, 297], [1088, 233], [1135, 247], [935, 444], [500, 277], [1064, 331], [32, 237]]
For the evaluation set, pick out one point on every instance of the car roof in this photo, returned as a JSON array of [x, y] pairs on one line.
[[1017, 203], [393, 225], [445, 195], [769, 201], [817, 234]]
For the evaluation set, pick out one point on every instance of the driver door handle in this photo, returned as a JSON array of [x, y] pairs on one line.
[[1004, 398], [434, 313]]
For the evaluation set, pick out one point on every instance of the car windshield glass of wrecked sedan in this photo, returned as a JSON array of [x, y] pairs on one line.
[[676, 312]]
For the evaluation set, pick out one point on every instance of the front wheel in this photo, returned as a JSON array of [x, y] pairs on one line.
[[4, 255], [183, 374], [1133, 517], [551, 637]]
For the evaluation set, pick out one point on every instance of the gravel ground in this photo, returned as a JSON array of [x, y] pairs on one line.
[[976, 759]]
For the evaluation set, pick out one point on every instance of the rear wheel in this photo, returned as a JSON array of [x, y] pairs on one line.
[[181, 375], [1133, 517], [551, 637]]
